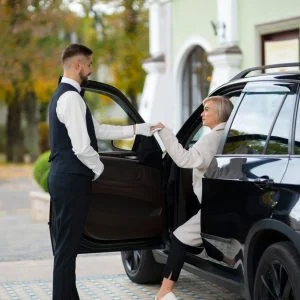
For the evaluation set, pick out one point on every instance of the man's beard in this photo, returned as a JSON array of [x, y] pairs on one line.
[[83, 78]]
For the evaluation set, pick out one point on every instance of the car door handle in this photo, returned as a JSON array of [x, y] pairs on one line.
[[133, 157]]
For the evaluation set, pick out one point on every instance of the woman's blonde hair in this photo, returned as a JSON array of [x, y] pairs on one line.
[[222, 105]]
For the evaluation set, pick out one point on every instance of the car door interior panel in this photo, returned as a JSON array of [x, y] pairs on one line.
[[129, 194]]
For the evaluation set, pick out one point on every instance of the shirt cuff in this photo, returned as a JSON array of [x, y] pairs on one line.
[[98, 171]]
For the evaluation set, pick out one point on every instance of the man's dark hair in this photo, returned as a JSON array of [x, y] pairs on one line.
[[75, 49]]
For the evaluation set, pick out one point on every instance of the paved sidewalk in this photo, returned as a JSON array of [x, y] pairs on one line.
[[23, 239], [98, 277]]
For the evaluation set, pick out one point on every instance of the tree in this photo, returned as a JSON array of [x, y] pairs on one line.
[[31, 44], [118, 31], [132, 48], [29, 59]]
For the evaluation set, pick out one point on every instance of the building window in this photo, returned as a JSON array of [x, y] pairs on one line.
[[280, 47], [197, 74]]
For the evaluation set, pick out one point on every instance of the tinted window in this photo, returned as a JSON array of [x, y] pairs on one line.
[[297, 134], [254, 130], [278, 142]]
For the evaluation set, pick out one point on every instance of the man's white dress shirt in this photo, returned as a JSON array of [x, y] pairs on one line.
[[71, 111]]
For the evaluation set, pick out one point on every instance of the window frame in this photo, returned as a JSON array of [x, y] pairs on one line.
[[295, 116], [282, 35], [123, 102]]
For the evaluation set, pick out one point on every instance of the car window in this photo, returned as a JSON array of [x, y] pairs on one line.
[[278, 141], [297, 134], [107, 111], [254, 129]]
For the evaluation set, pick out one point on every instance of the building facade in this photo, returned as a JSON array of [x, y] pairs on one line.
[[197, 45]]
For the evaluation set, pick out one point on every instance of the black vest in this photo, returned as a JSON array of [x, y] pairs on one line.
[[63, 159]]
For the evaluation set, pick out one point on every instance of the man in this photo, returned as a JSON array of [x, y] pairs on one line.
[[75, 163]]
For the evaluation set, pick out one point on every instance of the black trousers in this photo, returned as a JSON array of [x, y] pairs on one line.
[[177, 254], [69, 196]]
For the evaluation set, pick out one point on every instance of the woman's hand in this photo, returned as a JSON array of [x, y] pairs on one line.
[[157, 127]]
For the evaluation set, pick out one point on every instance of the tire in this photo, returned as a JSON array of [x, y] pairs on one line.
[[141, 267], [278, 273]]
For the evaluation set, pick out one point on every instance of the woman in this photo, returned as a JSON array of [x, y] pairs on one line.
[[216, 112]]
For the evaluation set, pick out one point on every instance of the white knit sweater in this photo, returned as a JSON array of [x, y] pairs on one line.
[[197, 157]]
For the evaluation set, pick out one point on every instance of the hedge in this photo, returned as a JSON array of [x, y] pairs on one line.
[[41, 170]]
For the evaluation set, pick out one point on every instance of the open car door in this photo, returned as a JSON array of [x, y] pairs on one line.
[[126, 205]]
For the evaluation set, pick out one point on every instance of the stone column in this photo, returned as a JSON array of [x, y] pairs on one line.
[[227, 25], [226, 59], [226, 62], [155, 97], [156, 29]]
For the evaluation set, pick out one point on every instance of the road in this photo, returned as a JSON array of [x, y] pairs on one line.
[[26, 258]]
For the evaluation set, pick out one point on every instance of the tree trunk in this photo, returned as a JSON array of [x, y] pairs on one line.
[[31, 133], [14, 137]]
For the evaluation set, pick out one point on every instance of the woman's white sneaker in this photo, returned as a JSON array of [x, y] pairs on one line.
[[169, 296]]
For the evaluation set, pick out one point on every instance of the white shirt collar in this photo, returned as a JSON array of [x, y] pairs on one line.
[[71, 82]]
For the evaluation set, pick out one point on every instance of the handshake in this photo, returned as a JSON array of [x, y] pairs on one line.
[[147, 129]]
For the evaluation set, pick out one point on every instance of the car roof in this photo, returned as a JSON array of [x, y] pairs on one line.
[[242, 78], [246, 72], [286, 75]]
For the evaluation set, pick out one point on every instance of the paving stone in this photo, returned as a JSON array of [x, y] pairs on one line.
[[116, 287]]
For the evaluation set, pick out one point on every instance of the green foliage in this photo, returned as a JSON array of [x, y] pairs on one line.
[[31, 44], [41, 170], [30, 47], [119, 38]]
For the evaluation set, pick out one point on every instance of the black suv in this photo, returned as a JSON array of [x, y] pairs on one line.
[[250, 205]]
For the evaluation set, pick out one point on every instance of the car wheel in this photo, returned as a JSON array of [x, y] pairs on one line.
[[278, 273], [141, 267]]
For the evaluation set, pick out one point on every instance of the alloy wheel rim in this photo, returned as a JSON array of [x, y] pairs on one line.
[[132, 260], [275, 283]]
